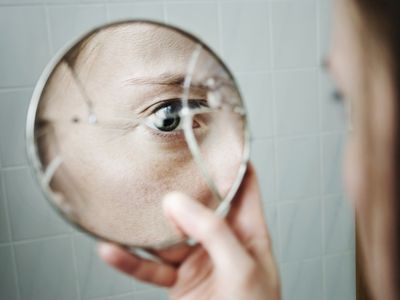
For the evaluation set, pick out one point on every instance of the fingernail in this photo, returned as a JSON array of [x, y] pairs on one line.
[[178, 203], [104, 249]]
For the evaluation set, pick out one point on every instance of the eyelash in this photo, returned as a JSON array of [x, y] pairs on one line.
[[174, 136], [192, 103]]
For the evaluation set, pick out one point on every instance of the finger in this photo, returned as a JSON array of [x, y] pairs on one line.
[[174, 255], [144, 270], [246, 216], [211, 231]]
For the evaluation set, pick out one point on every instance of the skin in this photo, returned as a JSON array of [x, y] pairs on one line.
[[350, 65], [114, 173], [236, 252]]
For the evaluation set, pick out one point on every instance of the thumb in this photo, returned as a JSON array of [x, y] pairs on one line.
[[210, 230]]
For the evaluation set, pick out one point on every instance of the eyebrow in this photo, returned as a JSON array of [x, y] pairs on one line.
[[162, 79]]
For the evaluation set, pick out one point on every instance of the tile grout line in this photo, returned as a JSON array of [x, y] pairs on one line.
[[9, 230], [40, 239], [277, 70], [274, 130], [14, 168], [328, 255], [15, 88], [290, 137], [165, 12], [107, 8], [220, 30], [321, 152], [48, 29], [75, 263], [113, 296]]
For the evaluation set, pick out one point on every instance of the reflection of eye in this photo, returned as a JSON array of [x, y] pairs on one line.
[[166, 116]]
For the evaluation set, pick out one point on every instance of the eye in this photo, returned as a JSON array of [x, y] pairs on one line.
[[166, 116]]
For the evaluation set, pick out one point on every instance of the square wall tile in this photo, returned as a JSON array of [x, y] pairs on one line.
[[294, 34], [140, 286], [339, 225], [70, 21], [296, 97], [4, 225], [333, 113], [325, 9], [333, 146], [302, 280], [96, 279], [27, 2], [152, 294], [200, 19], [300, 226], [152, 11], [46, 270], [67, 1], [340, 277], [257, 96], [30, 214], [123, 297], [25, 48], [263, 158], [298, 169], [13, 111], [130, 1], [271, 218], [245, 35], [8, 285], [197, 1]]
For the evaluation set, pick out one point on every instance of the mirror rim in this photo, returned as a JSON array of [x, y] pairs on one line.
[[31, 148]]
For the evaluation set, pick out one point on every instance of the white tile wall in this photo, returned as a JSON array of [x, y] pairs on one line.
[[148, 10], [302, 280], [263, 156], [294, 37], [94, 277], [13, 109], [245, 34], [300, 230], [258, 87], [30, 216], [24, 44], [296, 102], [67, 22], [298, 168], [8, 282], [340, 272], [274, 48], [46, 270], [198, 18]]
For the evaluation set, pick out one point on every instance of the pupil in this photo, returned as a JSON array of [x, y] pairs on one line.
[[169, 123], [168, 117]]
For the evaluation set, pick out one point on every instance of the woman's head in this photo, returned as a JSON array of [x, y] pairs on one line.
[[365, 65]]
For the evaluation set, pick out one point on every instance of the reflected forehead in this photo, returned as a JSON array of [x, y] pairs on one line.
[[146, 39]]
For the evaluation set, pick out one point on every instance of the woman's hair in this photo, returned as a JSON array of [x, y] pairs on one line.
[[379, 30]]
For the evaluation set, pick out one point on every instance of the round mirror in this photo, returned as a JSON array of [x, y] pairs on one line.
[[127, 113]]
